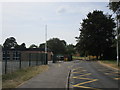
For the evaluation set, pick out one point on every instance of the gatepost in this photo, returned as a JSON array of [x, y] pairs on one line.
[[54, 58]]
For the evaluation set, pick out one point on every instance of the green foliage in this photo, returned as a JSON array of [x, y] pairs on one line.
[[96, 35], [10, 43], [56, 45], [115, 7], [22, 46], [33, 46], [70, 49], [42, 45]]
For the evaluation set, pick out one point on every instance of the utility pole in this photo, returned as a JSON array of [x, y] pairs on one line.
[[117, 37], [45, 44], [117, 45]]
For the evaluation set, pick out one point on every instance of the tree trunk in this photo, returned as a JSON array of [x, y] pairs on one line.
[[97, 57]]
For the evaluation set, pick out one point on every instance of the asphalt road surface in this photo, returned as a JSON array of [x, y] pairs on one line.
[[55, 77], [84, 75], [90, 75]]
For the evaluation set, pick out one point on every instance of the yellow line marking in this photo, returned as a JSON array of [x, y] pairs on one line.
[[117, 78], [77, 68], [116, 72], [83, 78], [80, 71], [108, 73], [88, 87], [84, 75], [59, 65], [86, 82], [70, 66]]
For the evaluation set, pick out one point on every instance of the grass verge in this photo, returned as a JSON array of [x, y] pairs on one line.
[[16, 78], [111, 63]]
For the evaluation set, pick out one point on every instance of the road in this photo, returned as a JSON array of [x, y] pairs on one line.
[[91, 75], [55, 77], [88, 75]]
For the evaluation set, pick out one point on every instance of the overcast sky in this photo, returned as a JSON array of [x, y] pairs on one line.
[[26, 21]]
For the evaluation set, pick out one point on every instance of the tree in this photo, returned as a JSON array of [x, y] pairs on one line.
[[10, 43], [70, 49], [21, 47], [63, 41], [56, 46], [42, 45], [115, 7], [33, 46], [96, 34]]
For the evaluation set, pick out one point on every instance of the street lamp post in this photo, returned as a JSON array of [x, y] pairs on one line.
[[117, 37], [117, 46], [46, 44]]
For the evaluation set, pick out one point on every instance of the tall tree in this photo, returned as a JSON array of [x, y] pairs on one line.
[[115, 7], [33, 46], [42, 45], [10, 43], [21, 47], [56, 45], [96, 34], [70, 49]]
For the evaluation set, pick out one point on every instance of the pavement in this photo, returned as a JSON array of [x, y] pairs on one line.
[[55, 77], [78, 74]]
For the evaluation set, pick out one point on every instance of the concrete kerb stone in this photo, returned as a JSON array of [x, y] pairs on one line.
[[71, 80], [67, 81]]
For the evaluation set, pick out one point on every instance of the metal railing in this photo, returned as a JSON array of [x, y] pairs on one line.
[[34, 59]]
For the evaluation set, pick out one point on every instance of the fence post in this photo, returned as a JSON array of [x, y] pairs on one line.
[[36, 59], [46, 59], [20, 61], [29, 59], [5, 61], [54, 58], [42, 59]]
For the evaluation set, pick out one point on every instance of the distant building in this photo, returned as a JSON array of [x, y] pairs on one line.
[[26, 54]]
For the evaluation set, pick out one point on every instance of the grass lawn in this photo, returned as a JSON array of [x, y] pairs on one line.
[[77, 58], [112, 63], [16, 78]]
